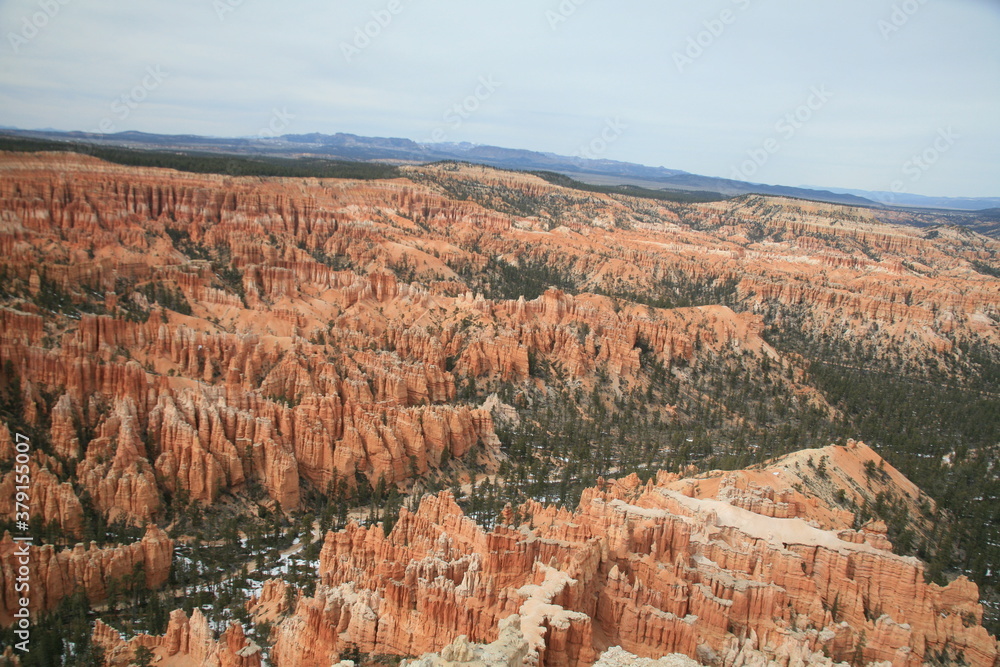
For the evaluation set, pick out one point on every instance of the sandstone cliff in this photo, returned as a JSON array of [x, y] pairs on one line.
[[188, 640], [233, 350], [55, 574], [52, 501], [649, 568], [170, 336]]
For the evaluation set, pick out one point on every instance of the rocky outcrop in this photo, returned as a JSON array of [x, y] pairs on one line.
[[116, 469], [618, 657], [818, 485], [234, 350], [64, 436], [185, 640], [184, 337], [509, 650], [654, 568], [271, 602], [55, 574], [52, 501]]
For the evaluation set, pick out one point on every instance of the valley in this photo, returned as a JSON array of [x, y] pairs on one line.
[[294, 420]]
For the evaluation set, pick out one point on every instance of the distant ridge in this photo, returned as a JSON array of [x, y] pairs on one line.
[[921, 201], [396, 150], [344, 146]]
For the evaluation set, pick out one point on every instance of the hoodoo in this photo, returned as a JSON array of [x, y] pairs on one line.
[[464, 416]]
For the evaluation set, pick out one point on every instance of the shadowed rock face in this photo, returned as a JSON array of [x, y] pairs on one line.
[[179, 335], [654, 568]]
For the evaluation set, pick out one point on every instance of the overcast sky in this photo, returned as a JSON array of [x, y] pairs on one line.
[[871, 94]]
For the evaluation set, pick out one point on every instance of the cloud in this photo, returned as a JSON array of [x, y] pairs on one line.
[[230, 68]]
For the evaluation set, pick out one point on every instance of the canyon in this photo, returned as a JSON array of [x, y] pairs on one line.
[[665, 567], [176, 344]]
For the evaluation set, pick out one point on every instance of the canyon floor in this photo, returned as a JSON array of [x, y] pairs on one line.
[[463, 416]]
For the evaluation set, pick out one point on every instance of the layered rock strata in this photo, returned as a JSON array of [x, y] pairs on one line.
[[295, 334], [186, 641], [57, 573], [644, 567]]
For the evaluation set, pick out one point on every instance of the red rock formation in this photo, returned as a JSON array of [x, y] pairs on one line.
[[116, 469], [185, 639], [791, 487], [17, 328], [271, 602], [52, 501], [65, 441], [283, 410], [646, 567], [290, 373], [55, 574]]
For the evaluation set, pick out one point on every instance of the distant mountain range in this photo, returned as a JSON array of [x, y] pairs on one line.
[[920, 201], [595, 172]]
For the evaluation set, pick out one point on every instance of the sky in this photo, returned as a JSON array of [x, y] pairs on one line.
[[898, 95]]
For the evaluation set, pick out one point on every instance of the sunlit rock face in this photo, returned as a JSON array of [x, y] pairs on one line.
[[188, 641], [233, 348], [190, 336], [672, 566], [56, 574]]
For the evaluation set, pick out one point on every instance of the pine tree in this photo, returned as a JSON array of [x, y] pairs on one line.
[[143, 657]]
